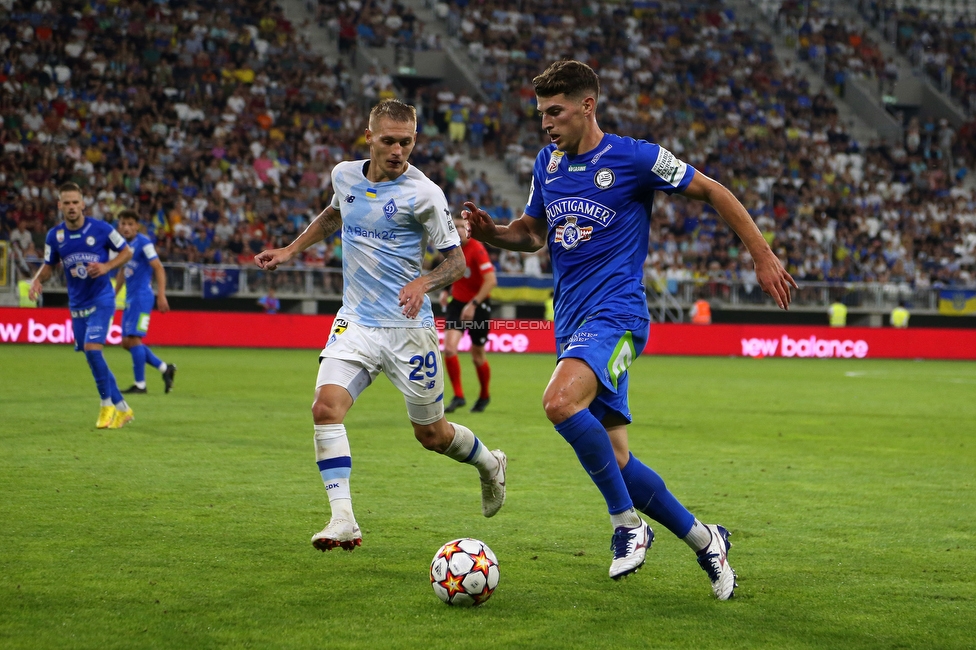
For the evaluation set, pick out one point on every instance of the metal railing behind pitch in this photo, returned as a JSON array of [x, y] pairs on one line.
[[668, 300]]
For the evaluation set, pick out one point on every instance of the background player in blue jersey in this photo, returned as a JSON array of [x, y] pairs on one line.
[[83, 246], [590, 201], [139, 299], [386, 209]]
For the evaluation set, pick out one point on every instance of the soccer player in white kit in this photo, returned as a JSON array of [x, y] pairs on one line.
[[385, 208]]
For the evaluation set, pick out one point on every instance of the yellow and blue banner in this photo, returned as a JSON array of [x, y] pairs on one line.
[[957, 302], [521, 288]]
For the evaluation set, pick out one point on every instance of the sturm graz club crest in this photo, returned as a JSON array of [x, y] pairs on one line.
[[570, 234], [604, 178]]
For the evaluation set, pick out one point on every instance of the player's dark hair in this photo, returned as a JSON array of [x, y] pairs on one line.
[[129, 214], [70, 186], [395, 110], [570, 78]]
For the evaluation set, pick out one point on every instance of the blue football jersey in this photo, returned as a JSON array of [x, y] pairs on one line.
[[75, 249], [138, 271], [598, 206]]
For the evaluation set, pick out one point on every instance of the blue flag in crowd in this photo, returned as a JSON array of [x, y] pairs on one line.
[[220, 283]]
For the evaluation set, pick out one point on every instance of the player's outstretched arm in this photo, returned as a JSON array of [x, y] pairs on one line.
[[322, 226], [524, 234], [772, 277], [451, 269], [43, 275]]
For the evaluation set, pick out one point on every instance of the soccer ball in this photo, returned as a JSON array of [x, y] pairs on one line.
[[464, 572]]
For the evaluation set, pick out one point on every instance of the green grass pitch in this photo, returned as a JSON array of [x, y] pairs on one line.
[[848, 486]]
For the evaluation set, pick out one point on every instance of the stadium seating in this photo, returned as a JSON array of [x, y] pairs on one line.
[[221, 127], [690, 78], [218, 125]]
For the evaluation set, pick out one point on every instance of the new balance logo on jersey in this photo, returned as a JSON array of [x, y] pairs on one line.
[[350, 198]]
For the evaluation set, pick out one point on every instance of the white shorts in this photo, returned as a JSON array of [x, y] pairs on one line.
[[410, 357]]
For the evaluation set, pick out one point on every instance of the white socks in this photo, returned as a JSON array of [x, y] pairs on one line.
[[698, 537], [335, 464], [626, 518], [466, 448]]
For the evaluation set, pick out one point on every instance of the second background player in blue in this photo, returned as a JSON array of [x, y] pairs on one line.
[[139, 299]]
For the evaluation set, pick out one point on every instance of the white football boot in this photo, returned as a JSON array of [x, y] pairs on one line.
[[339, 533], [493, 489], [715, 562], [629, 546]]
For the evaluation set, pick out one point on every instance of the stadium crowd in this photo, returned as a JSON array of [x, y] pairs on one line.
[[937, 37], [692, 79], [218, 125], [221, 127]]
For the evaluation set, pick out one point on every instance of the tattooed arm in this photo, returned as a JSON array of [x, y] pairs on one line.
[[451, 269]]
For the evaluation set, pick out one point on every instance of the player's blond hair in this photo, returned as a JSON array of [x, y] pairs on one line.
[[393, 109]]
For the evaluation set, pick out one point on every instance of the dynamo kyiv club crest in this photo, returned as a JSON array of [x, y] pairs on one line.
[[390, 208]]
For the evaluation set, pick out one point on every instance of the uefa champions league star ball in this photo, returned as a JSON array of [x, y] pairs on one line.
[[464, 572]]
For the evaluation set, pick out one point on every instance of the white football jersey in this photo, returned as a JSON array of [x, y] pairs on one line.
[[383, 232]]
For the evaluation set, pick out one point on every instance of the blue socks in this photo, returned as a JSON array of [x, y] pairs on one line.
[[104, 379], [151, 358], [651, 497], [139, 362], [592, 446]]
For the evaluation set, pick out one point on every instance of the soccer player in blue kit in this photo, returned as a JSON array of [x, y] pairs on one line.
[[590, 201], [139, 300], [386, 209], [82, 245]]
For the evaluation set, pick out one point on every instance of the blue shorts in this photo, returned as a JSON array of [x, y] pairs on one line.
[[91, 325], [135, 318], [608, 345]]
